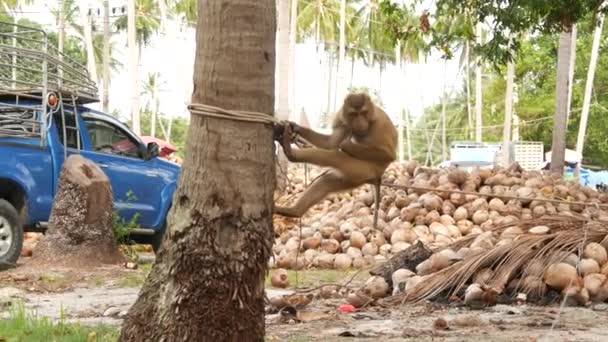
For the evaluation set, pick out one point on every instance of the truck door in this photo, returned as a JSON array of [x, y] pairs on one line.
[[136, 184]]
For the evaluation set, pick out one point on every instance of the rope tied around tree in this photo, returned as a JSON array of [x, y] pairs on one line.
[[205, 110]]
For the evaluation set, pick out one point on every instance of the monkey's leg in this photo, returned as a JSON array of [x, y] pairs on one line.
[[329, 182]]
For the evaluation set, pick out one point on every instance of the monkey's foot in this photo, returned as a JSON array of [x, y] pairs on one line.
[[285, 211]]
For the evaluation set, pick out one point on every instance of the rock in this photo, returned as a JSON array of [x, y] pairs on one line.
[[6, 293], [111, 311]]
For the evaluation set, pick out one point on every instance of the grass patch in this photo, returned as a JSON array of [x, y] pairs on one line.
[[53, 281], [135, 279], [316, 277], [22, 327]]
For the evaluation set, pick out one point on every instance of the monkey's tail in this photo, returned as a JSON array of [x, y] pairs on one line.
[[376, 186]]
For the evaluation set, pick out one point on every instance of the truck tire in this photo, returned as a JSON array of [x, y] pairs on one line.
[[11, 235]]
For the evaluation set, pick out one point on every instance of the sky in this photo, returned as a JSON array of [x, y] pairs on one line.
[[172, 55]]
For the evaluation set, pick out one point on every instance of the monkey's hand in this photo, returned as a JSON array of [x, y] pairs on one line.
[[287, 140]]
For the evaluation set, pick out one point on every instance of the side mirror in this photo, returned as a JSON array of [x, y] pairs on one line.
[[153, 150]]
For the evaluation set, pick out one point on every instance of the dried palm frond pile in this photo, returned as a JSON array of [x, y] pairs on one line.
[[419, 204], [561, 255]]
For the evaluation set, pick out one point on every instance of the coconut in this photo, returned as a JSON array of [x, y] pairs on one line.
[[497, 204], [588, 266], [337, 235], [293, 244], [342, 261], [448, 208], [596, 252], [377, 238], [376, 287], [403, 235], [330, 246], [539, 230], [354, 252], [457, 176], [483, 276], [358, 299], [535, 286], [347, 228], [560, 276], [465, 226], [594, 284], [401, 276], [279, 278], [326, 231], [412, 282], [324, 260], [357, 239], [399, 246], [438, 228], [312, 242], [409, 213], [576, 294], [385, 249], [370, 248], [460, 214], [480, 216], [473, 295], [344, 245]]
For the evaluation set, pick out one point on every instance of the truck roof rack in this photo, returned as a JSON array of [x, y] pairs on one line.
[[30, 66]]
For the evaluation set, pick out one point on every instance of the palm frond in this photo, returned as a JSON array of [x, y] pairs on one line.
[[509, 260]]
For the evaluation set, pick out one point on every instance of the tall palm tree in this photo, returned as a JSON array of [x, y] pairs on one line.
[[233, 239], [188, 9], [146, 23], [85, 17], [580, 140]]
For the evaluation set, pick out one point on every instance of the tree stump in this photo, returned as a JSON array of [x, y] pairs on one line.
[[80, 228]]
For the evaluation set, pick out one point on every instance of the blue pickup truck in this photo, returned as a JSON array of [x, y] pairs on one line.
[[43, 120]]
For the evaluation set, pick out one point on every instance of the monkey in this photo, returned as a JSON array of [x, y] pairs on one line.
[[361, 145]]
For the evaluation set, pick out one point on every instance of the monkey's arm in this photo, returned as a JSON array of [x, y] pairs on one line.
[[366, 152], [325, 141]]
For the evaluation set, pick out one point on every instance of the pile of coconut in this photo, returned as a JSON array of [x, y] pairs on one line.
[[338, 233], [536, 260]]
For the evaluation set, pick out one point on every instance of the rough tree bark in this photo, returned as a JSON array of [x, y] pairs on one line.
[[80, 228], [560, 119], [207, 283]]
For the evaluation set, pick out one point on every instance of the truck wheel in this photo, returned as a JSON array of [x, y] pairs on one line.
[[157, 238], [11, 235]]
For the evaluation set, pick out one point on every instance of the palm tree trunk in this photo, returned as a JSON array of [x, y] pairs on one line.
[[207, 283], [478, 93], [352, 70], [571, 71], [407, 134], [558, 147], [282, 86], [401, 121], [468, 87], [132, 45], [88, 38], [105, 103], [444, 102], [341, 83], [293, 35], [283, 60], [582, 128], [506, 137], [156, 105], [60, 39]]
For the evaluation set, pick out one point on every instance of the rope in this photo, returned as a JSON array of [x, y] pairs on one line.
[[234, 115], [424, 189], [239, 115]]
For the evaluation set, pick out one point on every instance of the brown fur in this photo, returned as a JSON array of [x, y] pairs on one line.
[[360, 147]]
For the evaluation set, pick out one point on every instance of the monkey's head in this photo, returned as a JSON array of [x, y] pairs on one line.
[[358, 112]]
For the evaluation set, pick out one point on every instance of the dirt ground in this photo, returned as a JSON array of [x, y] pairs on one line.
[[104, 295]]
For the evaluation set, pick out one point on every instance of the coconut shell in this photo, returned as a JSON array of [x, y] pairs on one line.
[[342, 261], [461, 214], [561, 275], [376, 287], [596, 252], [370, 248], [357, 239], [279, 278], [588, 266], [330, 246]]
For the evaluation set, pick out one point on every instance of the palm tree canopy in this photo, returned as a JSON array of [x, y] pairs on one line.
[[147, 20]]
